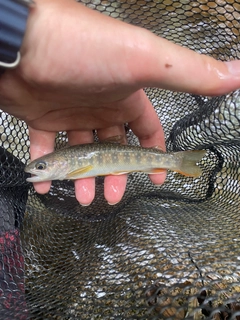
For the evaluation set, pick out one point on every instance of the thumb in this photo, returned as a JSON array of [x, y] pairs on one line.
[[170, 66]]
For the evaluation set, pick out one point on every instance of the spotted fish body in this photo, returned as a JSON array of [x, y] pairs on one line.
[[100, 159]]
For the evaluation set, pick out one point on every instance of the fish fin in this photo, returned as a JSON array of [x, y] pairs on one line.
[[159, 148], [79, 171], [115, 139], [118, 173], [156, 171], [188, 166]]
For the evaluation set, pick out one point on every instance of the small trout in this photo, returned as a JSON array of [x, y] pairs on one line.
[[100, 159]]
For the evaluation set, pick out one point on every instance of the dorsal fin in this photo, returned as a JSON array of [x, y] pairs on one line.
[[115, 139]]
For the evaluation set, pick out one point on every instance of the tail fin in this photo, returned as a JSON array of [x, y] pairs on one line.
[[188, 160]]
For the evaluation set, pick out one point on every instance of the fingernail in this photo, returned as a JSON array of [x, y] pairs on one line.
[[233, 67], [84, 204], [113, 203]]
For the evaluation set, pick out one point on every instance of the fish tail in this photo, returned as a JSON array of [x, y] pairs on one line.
[[188, 163]]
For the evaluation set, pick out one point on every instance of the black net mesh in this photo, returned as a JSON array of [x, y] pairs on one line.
[[164, 252]]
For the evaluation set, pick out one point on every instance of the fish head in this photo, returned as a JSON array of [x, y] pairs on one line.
[[47, 168]]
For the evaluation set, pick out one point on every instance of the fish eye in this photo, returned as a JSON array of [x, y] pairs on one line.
[[41, 165]]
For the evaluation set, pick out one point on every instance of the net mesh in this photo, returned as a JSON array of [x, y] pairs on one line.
[[163, 252]]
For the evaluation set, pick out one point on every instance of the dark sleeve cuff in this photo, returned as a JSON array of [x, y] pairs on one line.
[[13, 19]]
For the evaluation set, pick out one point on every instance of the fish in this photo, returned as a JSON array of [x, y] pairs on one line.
[[101, 159]]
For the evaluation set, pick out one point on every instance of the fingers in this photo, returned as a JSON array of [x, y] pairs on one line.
[[114, 186], [41, 143], [84, 188], [148, 129]]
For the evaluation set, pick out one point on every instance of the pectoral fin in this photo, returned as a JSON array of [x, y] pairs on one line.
[[76, 173]]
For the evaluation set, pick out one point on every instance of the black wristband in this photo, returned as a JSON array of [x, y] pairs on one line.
[[13, 19]]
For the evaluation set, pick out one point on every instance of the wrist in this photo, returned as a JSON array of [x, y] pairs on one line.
[[44, 39]]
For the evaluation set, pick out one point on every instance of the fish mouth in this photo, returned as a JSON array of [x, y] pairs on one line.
[[35, 178]]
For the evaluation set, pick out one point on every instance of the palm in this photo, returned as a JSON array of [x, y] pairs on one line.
[[81, 70]]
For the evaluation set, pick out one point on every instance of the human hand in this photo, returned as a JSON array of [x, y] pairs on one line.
[[81, 70]]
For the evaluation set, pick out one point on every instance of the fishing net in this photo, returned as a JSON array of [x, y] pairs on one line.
[[163, 252]]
